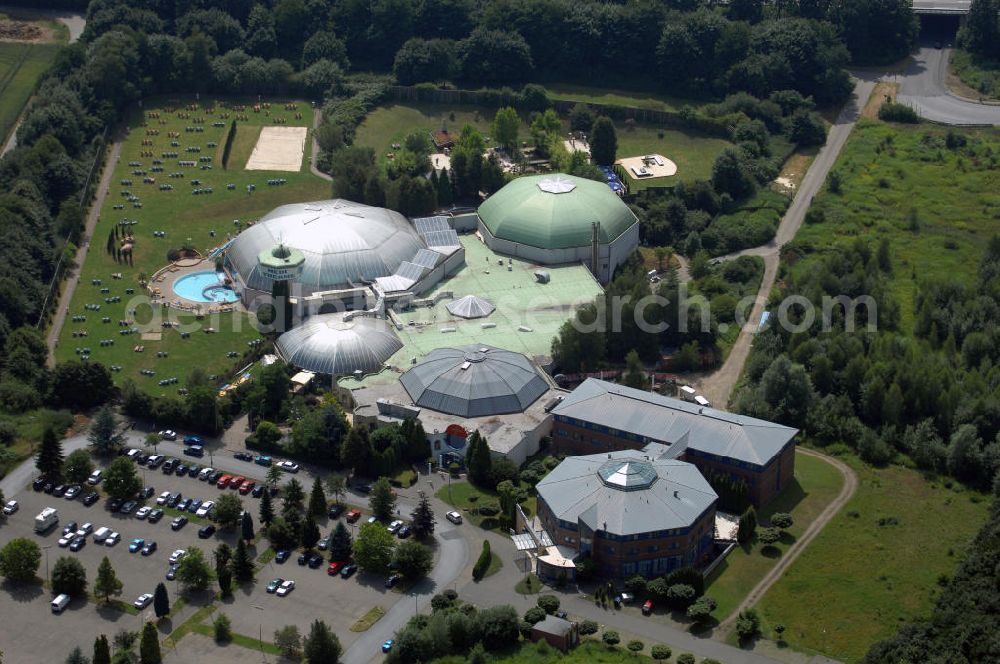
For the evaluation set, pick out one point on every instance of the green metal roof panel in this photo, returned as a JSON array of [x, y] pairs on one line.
[[555, 212]]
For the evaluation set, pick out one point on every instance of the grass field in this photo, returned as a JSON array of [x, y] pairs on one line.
[[693, 153], [467, 498], [21, 65], [859, 581], [613, 97], [589, 651], [892, 173], [982, 78], [816, 484], [187, 220]]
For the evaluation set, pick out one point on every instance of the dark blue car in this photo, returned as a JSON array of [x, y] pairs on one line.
[[193, 440]]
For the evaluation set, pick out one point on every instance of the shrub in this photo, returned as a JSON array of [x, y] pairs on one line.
[[635, 646], [685, 658], [611, 638], [535, 614], [589, 627], [781, 520], [660, 653], [747, 625], [483, 563], [223, 629], [489, 509], [893, 112], [548, 603]]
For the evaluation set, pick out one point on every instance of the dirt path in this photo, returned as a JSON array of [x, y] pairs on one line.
[[317, 117], [69, 284], [814, 529], [718, 386]]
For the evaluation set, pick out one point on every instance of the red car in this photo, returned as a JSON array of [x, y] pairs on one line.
[[353, 516], [647, 607], [247, 486], [237, 482], [334, 568], [224, 481]]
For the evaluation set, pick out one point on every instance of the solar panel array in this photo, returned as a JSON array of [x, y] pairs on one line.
[[430, 224]]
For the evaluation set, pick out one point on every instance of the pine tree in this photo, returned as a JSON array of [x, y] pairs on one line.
[[247, 526], [422, 518], [149, 646], [50, 457], [356, 452], [479, 460], [242, 565], [102, 651], [317, 500], [266, 509], [340, 544], [310, 532], [107, 583], [322, 645], [381, 500], [161, 601], [445, 194], [292, 502], [225, 578], [76, 656], [603, 142]]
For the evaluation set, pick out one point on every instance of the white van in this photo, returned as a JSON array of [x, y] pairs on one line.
[[60, 603], [95, 477], [702, 401], [101, 534]]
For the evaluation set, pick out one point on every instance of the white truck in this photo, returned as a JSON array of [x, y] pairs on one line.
[[47, 518]]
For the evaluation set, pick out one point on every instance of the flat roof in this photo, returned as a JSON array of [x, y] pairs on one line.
[[528, 314]]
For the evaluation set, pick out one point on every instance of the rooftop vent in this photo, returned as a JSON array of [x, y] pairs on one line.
[[466, 365]]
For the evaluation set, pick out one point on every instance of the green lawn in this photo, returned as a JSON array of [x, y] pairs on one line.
[[21, 65], [187, 220], [588, 652], [692, 152], [816, 484], [467, 498], [615, 97], [890, 172], [981, 76], [859, 581]]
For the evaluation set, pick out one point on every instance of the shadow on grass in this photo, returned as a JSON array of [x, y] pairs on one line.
[[770, 551]]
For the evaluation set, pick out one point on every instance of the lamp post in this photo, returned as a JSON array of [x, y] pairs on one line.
[[46, 549], [416, 607], [260, 632]]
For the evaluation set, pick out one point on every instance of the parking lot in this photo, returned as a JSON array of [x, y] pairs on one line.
[[338, 601]]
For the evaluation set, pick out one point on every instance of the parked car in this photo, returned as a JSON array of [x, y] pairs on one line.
[[243, 456], [146, 493], [348, 570], [335, 511], [237, 482], [285, 588], [393, 580], [136, 545], [142, 601], [91, 498], [149, 548], [205, 473], [143, 512], [128, 507], [85, 529], [195, 451], [273, 585], [183, 504], [171, 572], [315, 560], [224, 481], [193, 440], [38, 484], [282, 555], [303, 559], [334, 568], [163, 498], [206, 531], [66, 539], [174, 498], [73, 492], [363, 488], [113, 538], [205, 508], [394, 526], [169, 465], [194, 506], [247, 486], [258, 491], [168, 434], [11, 507], [77, 544], [215, 476], [178, 522], [155, 516], [180, 470], [353, 515], [647, 607], [95, 477], [155, 461], [59, 490], [454, 517], [194, 470], [387, 645], [70, 528], [176, 556], [403, 532], [288, 466], [115, 504], [262, 460]]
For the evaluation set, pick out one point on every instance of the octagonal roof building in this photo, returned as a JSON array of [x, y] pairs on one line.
[[474, 381], [557, 219], [333, 344], [343, 244]]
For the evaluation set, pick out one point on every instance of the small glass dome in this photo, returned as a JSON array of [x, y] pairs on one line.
[[627, 474]]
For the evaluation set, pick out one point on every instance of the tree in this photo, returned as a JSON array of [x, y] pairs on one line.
[[222, 629], [768, 536], [310, 532], [242, 564], [732, 175], [292, 501], [747, 526], [980, 33], [69, 577], [782, 520], [322, 645], [506, 125], [413, 560], [747, 624], [701, 609], [161, 601], [483, 562], [317, 500], [193, 571], [603, 141], [373, 548], [273, 477], [78, 466], [492, 57], [247, 526], [282, 534], [49, 461], [660, 652], [337, 486], [105, 436], [965, 453], [422, 518], [120, 479], [635, 646], [266, 509], [228, 511], [19, 560], [806, 129], [289, 642], [76, 656], [224, 577], [340, 544], [508, 502], [149, 646], [102, 650], [382, 501], [548, 603], [635, 375], [478, 459], [107, 583], [611, 638]]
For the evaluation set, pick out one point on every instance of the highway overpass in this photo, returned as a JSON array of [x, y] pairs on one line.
[[941, 7]]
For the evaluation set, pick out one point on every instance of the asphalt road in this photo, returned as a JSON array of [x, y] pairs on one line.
[[922, 87]]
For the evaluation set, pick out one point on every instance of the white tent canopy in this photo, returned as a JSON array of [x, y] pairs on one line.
[[471, 306]]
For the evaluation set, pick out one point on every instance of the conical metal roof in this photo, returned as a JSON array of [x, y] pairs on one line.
[[471, 306], [328, 344], [474, 381]]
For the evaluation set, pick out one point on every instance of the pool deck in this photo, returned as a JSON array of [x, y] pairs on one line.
[[161, 287], [528, 315]]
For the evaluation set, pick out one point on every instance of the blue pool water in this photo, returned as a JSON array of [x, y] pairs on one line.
[[205, 286]]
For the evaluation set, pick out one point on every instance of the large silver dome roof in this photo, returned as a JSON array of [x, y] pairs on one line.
[[474, 381], [328, 344], [343, 243]]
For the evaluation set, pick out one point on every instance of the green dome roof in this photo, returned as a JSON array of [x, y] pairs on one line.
[[555, 212]]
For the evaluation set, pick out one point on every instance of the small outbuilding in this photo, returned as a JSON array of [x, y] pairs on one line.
[[559, 633]]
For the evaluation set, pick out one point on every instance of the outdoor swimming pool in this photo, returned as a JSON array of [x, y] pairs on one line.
[[207, 286]]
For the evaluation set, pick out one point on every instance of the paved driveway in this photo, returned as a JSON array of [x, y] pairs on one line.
[[923, 88]]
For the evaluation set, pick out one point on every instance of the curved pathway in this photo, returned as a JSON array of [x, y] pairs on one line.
[[317, 118], [923, 87], [718, 386], [796, 549]]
